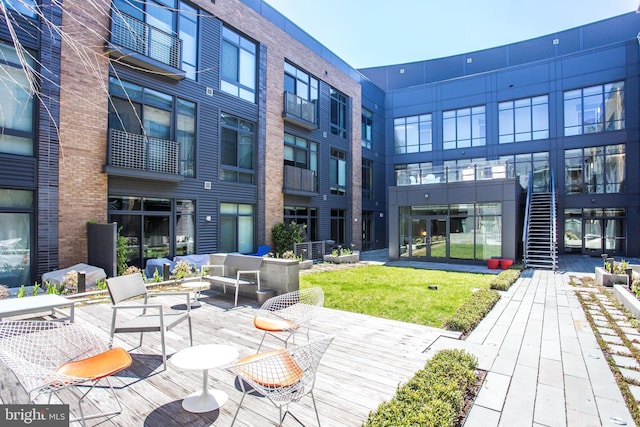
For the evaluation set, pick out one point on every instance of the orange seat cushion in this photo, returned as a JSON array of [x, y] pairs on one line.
[[99, 366], [279, 371], [272, 324]]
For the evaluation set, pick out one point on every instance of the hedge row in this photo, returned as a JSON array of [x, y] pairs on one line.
[[469, 314], [504, 280], [433, 397]]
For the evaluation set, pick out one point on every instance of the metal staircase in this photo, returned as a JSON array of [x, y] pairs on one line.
[[540, 228]]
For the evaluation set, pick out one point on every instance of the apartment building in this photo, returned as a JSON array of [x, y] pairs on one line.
[[198, 125]]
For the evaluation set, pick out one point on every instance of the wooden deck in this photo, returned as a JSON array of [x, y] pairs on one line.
[[364, 365]]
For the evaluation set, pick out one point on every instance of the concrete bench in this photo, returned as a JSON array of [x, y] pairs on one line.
[[235, 270]]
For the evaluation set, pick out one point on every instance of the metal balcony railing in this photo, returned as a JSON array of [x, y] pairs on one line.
[[442, 174], [299, 107], [133, 151], [136, 35], [298, 179]]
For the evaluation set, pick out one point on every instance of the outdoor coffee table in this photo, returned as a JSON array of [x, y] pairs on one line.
[[196, 287], [204, 357], [37, 303]]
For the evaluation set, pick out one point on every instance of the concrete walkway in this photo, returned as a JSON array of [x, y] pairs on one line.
[[544, 365]]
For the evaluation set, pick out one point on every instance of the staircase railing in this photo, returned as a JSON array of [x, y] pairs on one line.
[[553, 230], [525, 228]]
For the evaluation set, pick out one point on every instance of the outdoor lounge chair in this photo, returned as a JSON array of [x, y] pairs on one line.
[[282, 376], [148, 317], [50, 357], [262, 250], [288, 313]]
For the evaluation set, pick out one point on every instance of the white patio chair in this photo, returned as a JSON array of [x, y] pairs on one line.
[[148, 317], [49, 357], [282, 376], [288, 313]]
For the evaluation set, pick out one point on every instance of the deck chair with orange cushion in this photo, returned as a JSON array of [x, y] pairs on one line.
[[283, 376], [288, 313], [51, 357]]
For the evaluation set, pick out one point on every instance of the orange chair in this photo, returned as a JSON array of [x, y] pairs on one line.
[[288, 313], [49, 357], [283, 376]]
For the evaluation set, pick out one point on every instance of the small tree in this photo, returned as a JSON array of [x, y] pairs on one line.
[[122, 252], [285, 235]]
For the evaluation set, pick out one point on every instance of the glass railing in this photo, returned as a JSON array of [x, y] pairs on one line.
[[298, 179], [136, 35], [133, 151], [445, 174], [299, 107]]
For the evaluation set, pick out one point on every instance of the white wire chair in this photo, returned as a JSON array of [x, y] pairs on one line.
[[282, 376], [49, 357], [288, 313]]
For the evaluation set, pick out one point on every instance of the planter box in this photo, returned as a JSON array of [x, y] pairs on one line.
[[493, 263], [506, 263], [605, 278], [341, 259], [306, 264], [628, 299]]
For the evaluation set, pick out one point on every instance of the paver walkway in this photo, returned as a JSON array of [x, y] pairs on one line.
[[544, 364]]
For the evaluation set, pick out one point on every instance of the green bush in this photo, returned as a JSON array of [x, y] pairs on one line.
[[504, 280], [469, 314], [433, 397], [285, 235]]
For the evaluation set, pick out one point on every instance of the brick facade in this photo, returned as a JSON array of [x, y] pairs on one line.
[[83, 127]]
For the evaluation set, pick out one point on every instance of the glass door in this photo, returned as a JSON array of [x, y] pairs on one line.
[[429, 238]]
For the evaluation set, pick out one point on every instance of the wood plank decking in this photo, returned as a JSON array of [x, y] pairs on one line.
[[364, 365]]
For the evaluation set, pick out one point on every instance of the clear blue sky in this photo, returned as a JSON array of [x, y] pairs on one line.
[[369, 33]]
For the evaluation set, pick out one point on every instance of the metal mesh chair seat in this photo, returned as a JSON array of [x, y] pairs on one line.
[[288, 313], [48, 357], [282, 376]]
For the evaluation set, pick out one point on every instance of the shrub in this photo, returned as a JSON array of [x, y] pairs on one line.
[[285, 235], [504, 280], [433, 397], [122, 252], [182, 269], [4, 291], [469, 314]]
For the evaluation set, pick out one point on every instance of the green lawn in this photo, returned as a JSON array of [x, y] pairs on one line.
[[396, 293]]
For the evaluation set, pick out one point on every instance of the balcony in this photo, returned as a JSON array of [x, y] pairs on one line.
[[143, 45], [299, 111], [440, 174], [298, 181], [139, 156]]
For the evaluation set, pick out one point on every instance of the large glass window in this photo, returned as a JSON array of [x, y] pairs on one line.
[[300, 83], [520, 165], [595, 231], [595, 170], [142, 111], [464, 128], [16, 104], [488, 230], [339, 226], [167, 21], [524, 119], [303, 215], [412, 134], [594, 109], [237, 149], [238, 73], [367, 128], [338, 172], [16, 216], [367, 179], [236, 228], [24, 7], [300, 152], [154, 227], [338, 113]]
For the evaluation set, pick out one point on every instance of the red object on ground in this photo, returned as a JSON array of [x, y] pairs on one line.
[[506, 263], [493, 263]]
